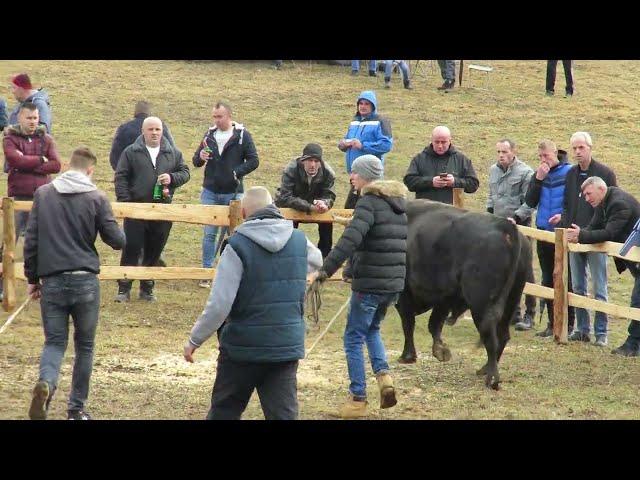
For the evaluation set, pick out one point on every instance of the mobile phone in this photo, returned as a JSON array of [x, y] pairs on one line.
[[444, 175]]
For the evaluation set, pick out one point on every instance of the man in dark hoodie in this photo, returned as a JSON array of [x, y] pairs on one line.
[[61, 265], [307, 186], [258, 293], [376, 240], [150, 161], [228, 153], [546, 193], [128, 132], [434, 173]]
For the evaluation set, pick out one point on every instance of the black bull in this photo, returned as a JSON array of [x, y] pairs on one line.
[[459, 260]]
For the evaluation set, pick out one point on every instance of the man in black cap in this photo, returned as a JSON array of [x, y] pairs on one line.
[[307, 186]]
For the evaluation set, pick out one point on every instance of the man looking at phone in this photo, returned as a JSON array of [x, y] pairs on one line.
[[439, 168]]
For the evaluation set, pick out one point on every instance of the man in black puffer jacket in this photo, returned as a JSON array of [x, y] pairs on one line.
[[376, 242]]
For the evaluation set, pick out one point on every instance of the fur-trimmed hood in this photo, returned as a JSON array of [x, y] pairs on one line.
[[393, 192], [41, 130]]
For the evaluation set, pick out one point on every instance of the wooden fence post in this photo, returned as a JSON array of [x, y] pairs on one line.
[[458, 197], [560, 287], [235, 215], [8, 255]]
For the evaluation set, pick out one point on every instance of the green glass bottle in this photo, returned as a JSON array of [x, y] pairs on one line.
[[157, 192]]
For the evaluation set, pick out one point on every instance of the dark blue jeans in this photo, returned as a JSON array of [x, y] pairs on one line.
[[78, 296], [634, 325]]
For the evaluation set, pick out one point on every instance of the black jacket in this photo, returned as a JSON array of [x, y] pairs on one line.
[[127, 133], [375, 240], [296, 192], [575, 208], [239, 157], [135, 176], [62, 231], [612, 221], [428, 164]]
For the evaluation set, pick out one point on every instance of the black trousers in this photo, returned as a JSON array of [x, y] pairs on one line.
[[235, 382], [352, 198], [150, 235], [551, 75], [325, 234], [546, 256]]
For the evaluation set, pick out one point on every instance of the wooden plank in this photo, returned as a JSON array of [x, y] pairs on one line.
[[538, 291], [22, 205], [235, 215], [179, 212], [610, 248], [115, 272], [560, 287], [302, 217], [458, 197], [541, 235], [9, 255]]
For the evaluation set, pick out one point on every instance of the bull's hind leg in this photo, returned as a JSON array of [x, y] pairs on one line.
[[408, 317], [436, 322], [487, 327]]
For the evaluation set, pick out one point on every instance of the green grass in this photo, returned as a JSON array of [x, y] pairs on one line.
[[139, 371]]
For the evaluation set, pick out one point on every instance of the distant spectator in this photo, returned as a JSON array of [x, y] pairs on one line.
[[128, 132], [24, 92], [308, 186], [404, 70], [568, 76], [434, 173], [448, 72], [277, 64], [355, 67], [4, 121]]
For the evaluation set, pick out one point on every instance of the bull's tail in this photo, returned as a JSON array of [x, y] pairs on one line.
[[512, 240]]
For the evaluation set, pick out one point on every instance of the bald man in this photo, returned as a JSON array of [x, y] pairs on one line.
[[150, 160], [439, 168]]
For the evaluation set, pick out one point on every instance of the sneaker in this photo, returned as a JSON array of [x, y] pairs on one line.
[[626, 350], [147, 296], [549, 93], [123, 296], [568, 95], [547, 332], [78, 415], [39, 401], [408, 86], [525, 324], [447, 85], [204, 284], [354, 73], [372, 73], [387, 392], [578, 336], [601, 341], [387, 84], [353, 409]]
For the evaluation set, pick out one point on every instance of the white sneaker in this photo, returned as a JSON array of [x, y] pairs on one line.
[[204, 284]]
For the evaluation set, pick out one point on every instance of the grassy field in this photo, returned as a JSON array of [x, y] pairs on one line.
[[139, 370]]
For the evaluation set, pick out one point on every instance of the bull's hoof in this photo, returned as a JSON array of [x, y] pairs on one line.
[[451, 320], [482, 370], [408, 358], [441, 352], [492, 382]]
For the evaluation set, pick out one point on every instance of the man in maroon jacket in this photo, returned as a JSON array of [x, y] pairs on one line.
[[31, 155]]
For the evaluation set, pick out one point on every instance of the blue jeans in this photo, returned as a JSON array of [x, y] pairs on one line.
[[366, 312], [355, 65], [597, 263], [207, 197], [77, 295], [404, 68], [447, 70]]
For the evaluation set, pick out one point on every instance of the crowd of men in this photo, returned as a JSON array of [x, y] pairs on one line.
[[256, 301]]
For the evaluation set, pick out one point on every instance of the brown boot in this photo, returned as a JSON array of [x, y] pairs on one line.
[[353, 409], [387, 392], [39, 401]]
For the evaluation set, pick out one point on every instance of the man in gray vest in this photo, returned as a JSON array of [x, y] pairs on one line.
[[259, 290]]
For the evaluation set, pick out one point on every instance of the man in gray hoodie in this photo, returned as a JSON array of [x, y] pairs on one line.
[[257, 305], [61, 265]]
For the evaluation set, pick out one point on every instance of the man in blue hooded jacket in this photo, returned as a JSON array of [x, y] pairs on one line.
[[368, 134]]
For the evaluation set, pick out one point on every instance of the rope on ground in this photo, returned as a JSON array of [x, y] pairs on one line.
[[15, 314], [314, 301], [328, 327]]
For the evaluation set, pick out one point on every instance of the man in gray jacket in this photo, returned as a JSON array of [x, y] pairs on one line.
[[61, 265], [258, 294], [509, 180]]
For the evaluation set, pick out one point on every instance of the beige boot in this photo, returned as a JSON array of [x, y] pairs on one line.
[[387, 392], [353, 409]]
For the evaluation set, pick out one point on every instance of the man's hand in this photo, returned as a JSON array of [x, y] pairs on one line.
[[555, 219], [344, 144], [204, 155], [542, 171], [321, 206], [189, 350], [33, 290], [357, 144], [164, 179], [512, 220], [442, 182], [573, 233]]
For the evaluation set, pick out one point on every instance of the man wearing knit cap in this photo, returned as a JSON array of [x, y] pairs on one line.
[[24, 92], [307, 185], [376, 240]]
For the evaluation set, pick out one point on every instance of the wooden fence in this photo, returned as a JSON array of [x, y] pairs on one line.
[[231, 217]]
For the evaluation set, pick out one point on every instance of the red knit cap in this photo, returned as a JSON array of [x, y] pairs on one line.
[[22, 80]]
